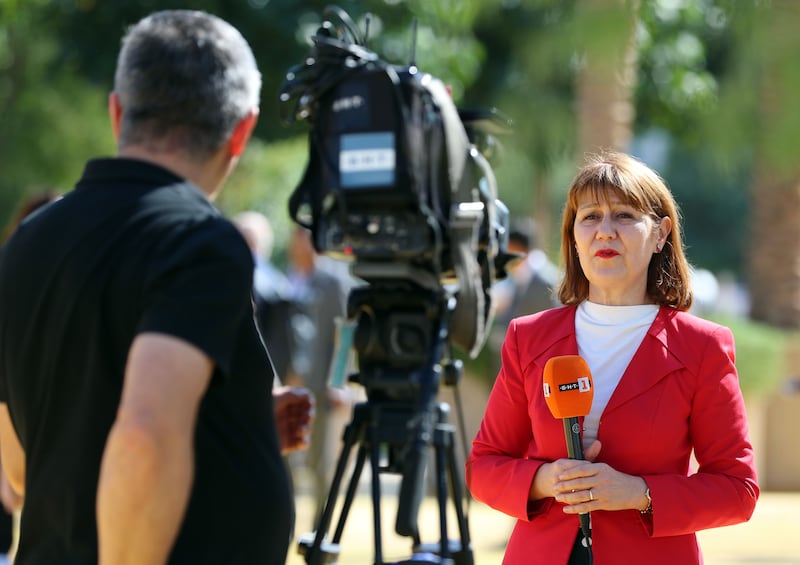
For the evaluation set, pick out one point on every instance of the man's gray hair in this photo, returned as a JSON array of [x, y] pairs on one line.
[[184, 79]]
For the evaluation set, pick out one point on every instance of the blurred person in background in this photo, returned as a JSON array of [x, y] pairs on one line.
[[528, 288], [272, 292], [532, 280], [137, 411], [665, 388], [320, 299]]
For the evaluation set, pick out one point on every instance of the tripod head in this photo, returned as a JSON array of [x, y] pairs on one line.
[[400, 338]]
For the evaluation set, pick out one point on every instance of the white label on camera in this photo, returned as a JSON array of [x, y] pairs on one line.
[[367, 159]]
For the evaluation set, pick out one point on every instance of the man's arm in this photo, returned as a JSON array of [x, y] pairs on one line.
[[11, 452], [148, 463]]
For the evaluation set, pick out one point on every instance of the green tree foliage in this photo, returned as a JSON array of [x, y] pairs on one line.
[[52, 119], [691, 99], [278, 31], [530, 73], [760, 354], [684, 48]]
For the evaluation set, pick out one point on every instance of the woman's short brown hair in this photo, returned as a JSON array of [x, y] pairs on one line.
[[611, 173]]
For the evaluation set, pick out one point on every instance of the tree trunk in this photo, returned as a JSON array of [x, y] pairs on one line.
[[774, 253], [774, 259], [607, 76]]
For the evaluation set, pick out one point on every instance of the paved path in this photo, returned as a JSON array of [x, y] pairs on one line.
[[771, 537]]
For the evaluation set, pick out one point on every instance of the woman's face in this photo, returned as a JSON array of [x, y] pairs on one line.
[[615, 243]]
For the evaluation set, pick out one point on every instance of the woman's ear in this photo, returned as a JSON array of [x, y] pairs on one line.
[[664, 229]]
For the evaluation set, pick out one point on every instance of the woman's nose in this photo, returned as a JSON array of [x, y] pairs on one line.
[[606, 227]]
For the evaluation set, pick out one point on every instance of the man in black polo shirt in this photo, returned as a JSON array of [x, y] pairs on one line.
[[137, 413]]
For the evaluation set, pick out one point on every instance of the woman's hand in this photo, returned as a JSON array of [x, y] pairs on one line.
[[584, 486], [547, 479]]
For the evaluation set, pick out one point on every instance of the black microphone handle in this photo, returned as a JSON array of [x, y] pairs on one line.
[[572, 433]]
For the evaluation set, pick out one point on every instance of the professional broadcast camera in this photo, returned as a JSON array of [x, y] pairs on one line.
[[396, 184]]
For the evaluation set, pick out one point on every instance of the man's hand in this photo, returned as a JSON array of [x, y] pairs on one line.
[[294, 412]]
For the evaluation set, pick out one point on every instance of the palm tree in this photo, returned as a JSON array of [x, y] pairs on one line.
[[607, 76], [774, 253]]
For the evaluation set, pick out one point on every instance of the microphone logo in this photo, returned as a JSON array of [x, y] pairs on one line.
[[582, 384]]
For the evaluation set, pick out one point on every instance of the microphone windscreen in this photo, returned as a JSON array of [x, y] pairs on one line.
[[568, 387]]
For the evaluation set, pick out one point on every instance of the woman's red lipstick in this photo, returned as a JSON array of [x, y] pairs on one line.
[[606, 253]]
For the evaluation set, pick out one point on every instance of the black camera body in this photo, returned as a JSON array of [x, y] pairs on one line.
[[372, 169], [394, 182]]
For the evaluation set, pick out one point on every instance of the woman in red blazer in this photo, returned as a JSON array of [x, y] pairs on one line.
[[665, 388]]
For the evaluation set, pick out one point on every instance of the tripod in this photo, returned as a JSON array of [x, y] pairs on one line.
[[394, 431]]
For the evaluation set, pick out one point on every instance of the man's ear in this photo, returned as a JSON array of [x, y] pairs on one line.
[[241, 133], [115, 114]]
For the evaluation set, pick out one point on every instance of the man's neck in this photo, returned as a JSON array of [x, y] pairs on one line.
[[207, 175]]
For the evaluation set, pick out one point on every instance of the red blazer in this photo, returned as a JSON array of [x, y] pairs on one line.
[[680, 392]]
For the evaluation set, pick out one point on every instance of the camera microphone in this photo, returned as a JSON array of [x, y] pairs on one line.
[[568, 391]]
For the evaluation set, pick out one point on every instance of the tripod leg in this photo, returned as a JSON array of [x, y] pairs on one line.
[[352, 487], [447, 473], [376, 493], [314, 554], [441, 490], [456, 552], [458, 494]]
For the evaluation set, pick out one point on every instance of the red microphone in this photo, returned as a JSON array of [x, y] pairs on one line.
[[568, 391]]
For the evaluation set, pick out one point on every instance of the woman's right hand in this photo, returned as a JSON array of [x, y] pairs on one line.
[[546, 482]]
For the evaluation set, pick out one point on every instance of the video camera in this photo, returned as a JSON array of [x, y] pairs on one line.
[[396, 184]]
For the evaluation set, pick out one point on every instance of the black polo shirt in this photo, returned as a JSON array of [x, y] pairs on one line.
[[133, 249]]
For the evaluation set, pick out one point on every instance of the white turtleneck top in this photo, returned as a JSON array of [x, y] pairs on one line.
[[608, 337]]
